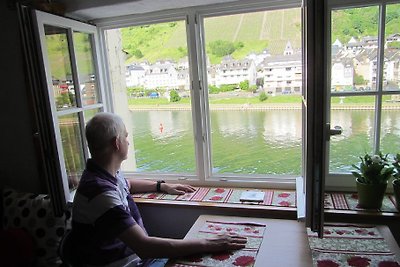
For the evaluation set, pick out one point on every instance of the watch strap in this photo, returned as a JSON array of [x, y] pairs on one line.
[[158, 186]]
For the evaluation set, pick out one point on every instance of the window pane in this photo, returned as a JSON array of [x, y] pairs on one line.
[[86, 70], [60, 67], [390, 125], [71, 138], [356, 116], [391, 72], [163, 141], [88, 114], [254, 84], [158, 94], [354, 49]]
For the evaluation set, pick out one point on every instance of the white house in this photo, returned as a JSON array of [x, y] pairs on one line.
[[354, 45], [135, 75], [258, 58], [283, 73], [336, 47], [342, 73], [182, 79], [161, 75], [232, 71]]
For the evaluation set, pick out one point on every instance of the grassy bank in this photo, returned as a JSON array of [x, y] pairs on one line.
[[272, 100]]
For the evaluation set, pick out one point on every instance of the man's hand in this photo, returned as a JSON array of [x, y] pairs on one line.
[[177, 189], [225, 242]]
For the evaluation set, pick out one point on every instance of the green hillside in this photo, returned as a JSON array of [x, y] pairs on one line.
[[59, 57], [251, 32], [359, 22]]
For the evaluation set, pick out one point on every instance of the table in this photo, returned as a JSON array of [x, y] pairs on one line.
[[285, 242]]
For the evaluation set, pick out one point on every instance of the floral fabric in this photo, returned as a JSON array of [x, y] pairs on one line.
[[349, 201], [282, 198], [279, 198], [350, 245], [244, 257]]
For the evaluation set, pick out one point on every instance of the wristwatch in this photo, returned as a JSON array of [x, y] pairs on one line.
[[158, 187]]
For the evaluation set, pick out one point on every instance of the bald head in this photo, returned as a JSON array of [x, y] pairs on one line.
[[101, 130]]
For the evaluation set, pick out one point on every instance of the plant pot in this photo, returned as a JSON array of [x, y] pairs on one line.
[[396, 190], [370, 196]]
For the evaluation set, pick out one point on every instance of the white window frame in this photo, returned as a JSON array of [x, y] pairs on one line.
[[198, 79], [345, 181], [42, 19]]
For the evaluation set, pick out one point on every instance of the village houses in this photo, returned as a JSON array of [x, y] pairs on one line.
[[280, 74]]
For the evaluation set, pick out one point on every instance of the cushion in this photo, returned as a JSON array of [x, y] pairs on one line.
[[34, 214], [16, 248]]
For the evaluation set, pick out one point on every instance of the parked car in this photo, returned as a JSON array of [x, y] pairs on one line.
[[154, 95]]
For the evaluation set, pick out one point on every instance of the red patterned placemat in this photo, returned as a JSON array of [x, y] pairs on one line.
[[350, 245], [349, 201], [280, 198], [254, 233]]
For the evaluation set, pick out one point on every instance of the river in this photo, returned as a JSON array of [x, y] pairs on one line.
[[253, 141]]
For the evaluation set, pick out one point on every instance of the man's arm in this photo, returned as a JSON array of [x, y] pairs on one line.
[[154, 247], [141, 186]]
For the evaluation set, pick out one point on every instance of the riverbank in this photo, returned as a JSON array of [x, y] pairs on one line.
[[269, 106]]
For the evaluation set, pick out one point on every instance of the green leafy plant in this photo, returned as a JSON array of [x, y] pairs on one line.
[[396, 165], [263, 96], [174, 96], [373, 169]]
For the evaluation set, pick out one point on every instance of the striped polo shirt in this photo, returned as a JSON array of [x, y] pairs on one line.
[[102, 210]]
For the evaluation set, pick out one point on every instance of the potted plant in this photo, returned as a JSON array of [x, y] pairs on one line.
[[396, 181], [372, 176]]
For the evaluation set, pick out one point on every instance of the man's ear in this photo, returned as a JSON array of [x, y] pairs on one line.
[[115, 143]]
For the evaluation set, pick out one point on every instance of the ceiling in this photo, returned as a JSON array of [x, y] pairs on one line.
[[98, 9]]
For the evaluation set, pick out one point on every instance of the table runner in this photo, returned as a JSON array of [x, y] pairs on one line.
[[282, 198], [254, 233], [350, 245], [279, 198], [349, 201]]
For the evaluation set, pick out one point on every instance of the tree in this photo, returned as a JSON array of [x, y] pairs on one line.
[[252, 88], [135, 91], [359, 79], [227, 87], [174, 96], [244, 85], [221, 48], [263, 96], [394, 45], [238, 45], [137, 53], [212, 89], [64, 99]]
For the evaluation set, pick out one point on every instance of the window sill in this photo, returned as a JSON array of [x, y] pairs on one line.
[[242, 209], [268, 209], [276, 203]]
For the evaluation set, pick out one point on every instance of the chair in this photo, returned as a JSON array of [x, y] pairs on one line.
[[66, 251]]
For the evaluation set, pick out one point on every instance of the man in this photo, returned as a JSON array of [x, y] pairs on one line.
[[107, 228]]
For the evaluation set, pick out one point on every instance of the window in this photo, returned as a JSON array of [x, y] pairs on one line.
[[70, 60], [363, 97], [213, 135], [159, 121]]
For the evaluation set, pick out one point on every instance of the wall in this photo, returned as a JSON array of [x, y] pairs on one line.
[[175, 220], [18, 166]]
